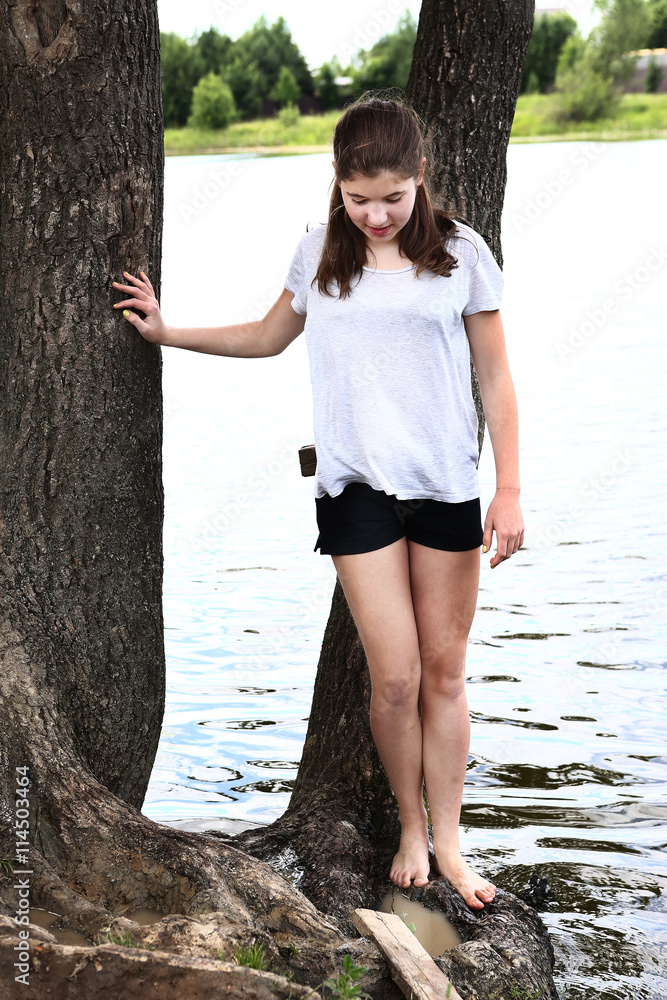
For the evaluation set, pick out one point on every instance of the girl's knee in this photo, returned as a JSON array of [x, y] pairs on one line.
[[444, 676], [397, 692]]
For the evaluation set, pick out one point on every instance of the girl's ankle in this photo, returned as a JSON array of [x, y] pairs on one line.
[[414, 821]]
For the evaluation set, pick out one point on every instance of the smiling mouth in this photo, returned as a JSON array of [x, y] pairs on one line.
[[379, 232]]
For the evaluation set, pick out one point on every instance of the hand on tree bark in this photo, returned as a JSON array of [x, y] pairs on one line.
[[152, 327]]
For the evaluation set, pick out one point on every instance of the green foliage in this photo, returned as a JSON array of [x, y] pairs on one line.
[[518, 993], [387, 63], [286, 89], [583, 92], [654, 73], [251, 66], [332, 94], [289, 116], [345, 984], [584, 95], [266, 49], [521, 993], [214, 51], [637, 116], [657, 36], [326, 86], [181, 67], [253, 956], [246, 86], [124, 940], [6, 867], [592, 72], [550, 32], [531, 84], [574, 51], [212, 103], [624, 28], [310, 130]]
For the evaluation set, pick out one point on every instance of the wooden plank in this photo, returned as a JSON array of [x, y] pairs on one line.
[[308, 460], [412, 968]]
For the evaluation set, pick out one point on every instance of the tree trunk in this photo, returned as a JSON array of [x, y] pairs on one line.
[[81, 162], [82, 676], [464, 82]]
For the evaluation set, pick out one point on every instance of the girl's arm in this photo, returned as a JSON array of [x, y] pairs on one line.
[[261, 338], [487, 348]]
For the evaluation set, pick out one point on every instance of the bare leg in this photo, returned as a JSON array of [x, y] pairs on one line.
[[444, 591], [377, 588]]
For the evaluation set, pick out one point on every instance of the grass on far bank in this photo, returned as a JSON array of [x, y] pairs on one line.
[[640, 116], [310, 131], [637, 114]]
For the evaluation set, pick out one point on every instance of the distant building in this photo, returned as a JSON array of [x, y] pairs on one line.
[[637, 82]]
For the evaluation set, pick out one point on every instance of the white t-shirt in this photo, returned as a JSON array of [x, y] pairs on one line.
[[390, 372]]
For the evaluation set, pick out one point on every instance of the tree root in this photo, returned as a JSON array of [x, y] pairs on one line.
[[123, 973]]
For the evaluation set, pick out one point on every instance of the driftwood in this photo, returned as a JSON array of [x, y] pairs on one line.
[[412, 968]]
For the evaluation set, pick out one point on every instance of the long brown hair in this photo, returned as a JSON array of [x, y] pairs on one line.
[[372, 137]]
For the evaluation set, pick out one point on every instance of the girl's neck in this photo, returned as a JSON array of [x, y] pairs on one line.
[[385, 256]]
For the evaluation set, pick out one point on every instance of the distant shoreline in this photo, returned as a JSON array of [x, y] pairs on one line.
[[607, 136], [640, 117]]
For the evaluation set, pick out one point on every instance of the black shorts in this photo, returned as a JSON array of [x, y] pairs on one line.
[[361, 519]]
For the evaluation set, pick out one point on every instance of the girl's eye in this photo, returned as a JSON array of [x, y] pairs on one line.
[[362, 201]]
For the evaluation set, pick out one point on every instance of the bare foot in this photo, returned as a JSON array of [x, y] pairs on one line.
[[411, 861], [475, 889]]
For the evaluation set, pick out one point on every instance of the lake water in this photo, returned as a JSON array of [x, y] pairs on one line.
[[566, 661]]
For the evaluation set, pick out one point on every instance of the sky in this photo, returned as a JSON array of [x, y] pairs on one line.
[[357, 24]]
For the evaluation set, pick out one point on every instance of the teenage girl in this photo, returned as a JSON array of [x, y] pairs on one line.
[[395, 297]]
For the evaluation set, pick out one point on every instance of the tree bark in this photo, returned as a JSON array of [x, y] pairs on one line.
[[82, 673], [81, 162], [464, 82]]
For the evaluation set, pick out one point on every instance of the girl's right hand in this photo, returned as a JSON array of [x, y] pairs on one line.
[[151, 327]]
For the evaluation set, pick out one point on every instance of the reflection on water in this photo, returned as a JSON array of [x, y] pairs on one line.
[[431, 927], [51, 921], [566, 782]]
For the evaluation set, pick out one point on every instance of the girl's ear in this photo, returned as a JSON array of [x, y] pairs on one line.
[[420, 175]]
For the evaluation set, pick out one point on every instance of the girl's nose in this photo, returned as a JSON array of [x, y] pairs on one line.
[[377, 216]]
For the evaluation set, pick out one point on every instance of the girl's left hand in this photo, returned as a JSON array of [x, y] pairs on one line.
[[505, 518]]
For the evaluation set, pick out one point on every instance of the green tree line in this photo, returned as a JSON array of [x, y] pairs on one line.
[[212, 80]]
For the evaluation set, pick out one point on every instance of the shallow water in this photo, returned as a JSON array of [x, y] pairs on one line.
[[431, 927], [566, 661]]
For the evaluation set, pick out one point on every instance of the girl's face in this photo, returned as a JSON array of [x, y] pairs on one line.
[[380, 206]]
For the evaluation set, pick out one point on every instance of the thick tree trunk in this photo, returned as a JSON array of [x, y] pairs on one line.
[[464, 82], [82, 673], [81, 163]]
